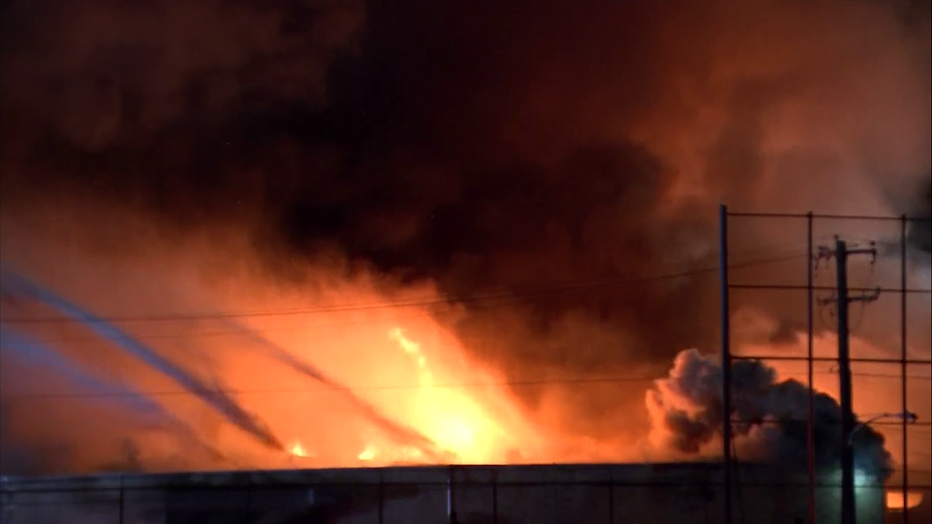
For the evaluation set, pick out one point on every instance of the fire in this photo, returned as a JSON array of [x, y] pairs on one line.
[[402, 454], [895, 500], [413, 349], [395, 387], [299, 451], [368, 453], [446, 414], [456, 410]]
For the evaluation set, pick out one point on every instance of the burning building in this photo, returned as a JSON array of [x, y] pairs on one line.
[[253, 235]]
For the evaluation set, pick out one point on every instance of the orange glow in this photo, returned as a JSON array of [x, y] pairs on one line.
[[389, 385], [374, 387], [447, 416], [368, 453], [446, 413], [298, 450], [398, 388], [895, 500]]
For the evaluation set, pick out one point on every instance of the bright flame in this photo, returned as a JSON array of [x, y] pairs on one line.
[[368, 453], [448, 415], [402, 454], [413, 349], [299, 451], [895, 500], [349, 388]]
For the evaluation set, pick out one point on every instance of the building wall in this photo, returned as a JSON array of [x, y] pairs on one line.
[[655, 494]]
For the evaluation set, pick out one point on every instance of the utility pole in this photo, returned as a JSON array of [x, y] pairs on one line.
[[843, 300]]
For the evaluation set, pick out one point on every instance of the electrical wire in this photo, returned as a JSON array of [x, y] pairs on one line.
[[308, 389], [464, 385], [422, 303], [446, 301]]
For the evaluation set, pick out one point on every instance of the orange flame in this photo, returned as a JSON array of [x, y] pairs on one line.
[[368, 453], [447, 415], [298, 450], [464, 411]]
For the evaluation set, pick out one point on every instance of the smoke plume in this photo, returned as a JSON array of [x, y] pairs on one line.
[[551, 170], [769, 416]]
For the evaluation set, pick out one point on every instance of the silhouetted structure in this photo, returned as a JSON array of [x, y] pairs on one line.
[[682, 493]]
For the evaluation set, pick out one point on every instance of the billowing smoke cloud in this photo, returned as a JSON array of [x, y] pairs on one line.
[[769, 416], [565, 160]]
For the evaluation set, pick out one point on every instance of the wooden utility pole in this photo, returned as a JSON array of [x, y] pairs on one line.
[[843, 300]]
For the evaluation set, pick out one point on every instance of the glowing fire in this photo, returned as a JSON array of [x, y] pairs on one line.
[[368, 453], [460, 412], [895, 500], [446, 415], [299, 451]]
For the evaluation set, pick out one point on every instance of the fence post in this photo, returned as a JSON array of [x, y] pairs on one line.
[[726, 359], [904, 356], [451, 498], [495, 496], [810, 369], [122, 504], [611, 500], [249, 508], [381, 498]]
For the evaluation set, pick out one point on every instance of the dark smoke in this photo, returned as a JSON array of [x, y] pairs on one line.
[[429, 160], [486, 147], [770, 415]]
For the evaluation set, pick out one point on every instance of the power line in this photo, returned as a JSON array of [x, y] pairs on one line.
[[245, 330], [504, 296], [800, 287], [776, 422], [463, 385], [883, 375], [829, 216], [792, 358]]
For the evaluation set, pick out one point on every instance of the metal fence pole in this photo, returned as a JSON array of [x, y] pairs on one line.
[[381, 495], [904, 347], [451, 498], [730, 473], [726, 357], [611, 501], [495, 497], [810, 354]]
